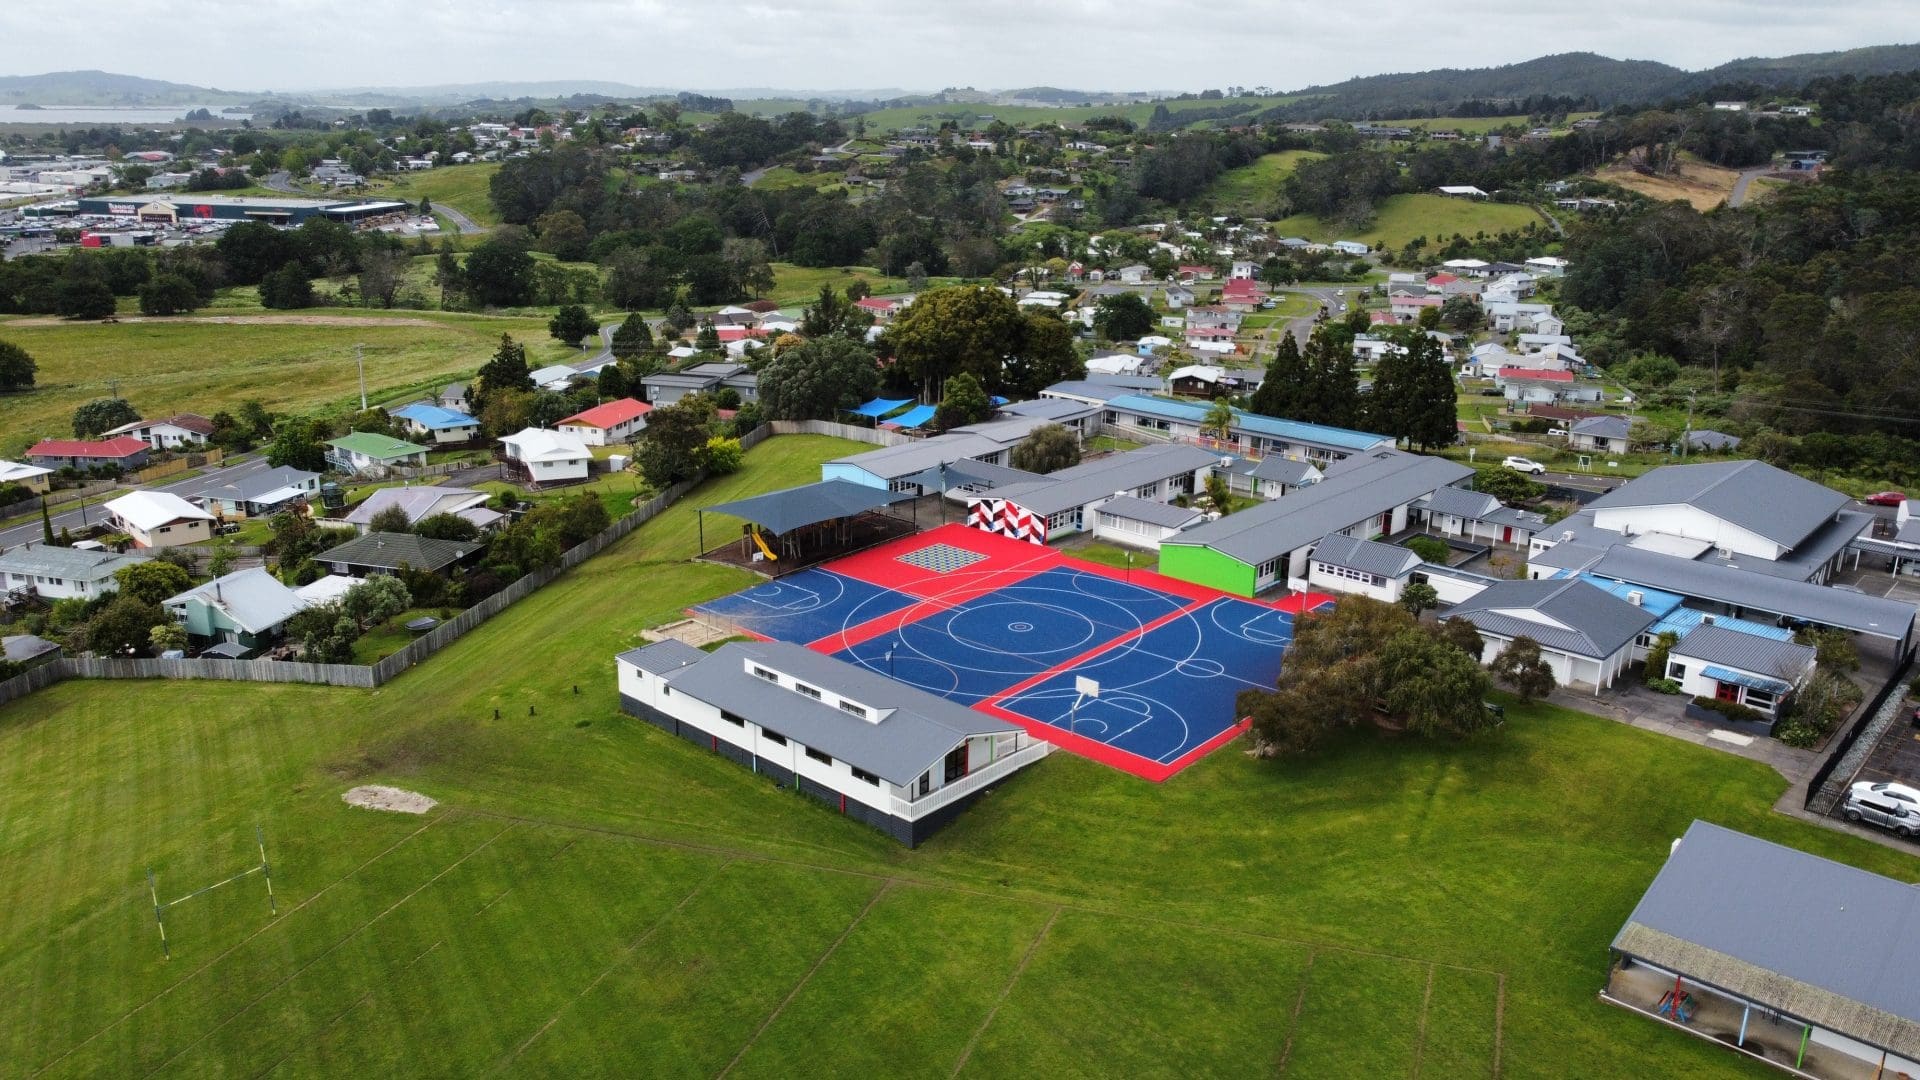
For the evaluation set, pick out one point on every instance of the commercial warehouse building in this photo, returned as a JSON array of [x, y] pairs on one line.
[[183, 206]]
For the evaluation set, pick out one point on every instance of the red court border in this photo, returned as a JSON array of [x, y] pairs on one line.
[[1009, 562]]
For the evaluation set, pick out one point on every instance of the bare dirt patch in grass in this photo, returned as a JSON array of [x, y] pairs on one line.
[[391, 799]]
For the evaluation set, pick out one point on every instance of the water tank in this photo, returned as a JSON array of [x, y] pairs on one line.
[[618, 462], [332, 497]]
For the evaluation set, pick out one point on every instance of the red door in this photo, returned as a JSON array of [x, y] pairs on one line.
[[1506, 534], [1726, 691]]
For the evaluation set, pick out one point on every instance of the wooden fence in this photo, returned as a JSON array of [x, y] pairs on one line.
[[197, 459], [31, 507], [839, 431]]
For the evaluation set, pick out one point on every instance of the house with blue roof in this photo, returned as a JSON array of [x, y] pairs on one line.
[[436, 424]]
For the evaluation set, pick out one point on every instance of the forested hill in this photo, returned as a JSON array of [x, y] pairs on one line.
[[1587, 78]]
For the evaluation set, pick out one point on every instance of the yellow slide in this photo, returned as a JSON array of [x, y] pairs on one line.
[[762, 543]]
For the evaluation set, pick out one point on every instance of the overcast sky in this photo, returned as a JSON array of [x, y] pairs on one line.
[[914, 44]]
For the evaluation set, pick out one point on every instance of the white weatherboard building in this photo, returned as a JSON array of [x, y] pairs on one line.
[[550, 457], [159, 519], [889, 754], [57, 573]]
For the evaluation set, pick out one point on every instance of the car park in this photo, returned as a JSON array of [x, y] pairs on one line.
[[1877, 804], [1525, 465]]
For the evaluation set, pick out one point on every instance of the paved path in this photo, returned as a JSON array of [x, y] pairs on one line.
[[28, 528], [1747, 176]]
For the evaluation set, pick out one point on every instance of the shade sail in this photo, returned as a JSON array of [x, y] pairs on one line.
[[784, 511]]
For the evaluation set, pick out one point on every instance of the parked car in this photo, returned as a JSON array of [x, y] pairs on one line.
[[1872, 803], [1885, 498], [1904, 794], [1525, 465]]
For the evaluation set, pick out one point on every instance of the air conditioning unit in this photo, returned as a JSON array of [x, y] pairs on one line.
[[1636, 597]]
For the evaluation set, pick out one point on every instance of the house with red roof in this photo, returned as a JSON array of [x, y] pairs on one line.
[[1445, 284], [879, 307], [1196, 273], [125, 453], [1241, 294], [610, 423]]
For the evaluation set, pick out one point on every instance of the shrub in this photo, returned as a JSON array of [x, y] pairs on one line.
[[1732, 710], [1663, 686], [1433, 551]]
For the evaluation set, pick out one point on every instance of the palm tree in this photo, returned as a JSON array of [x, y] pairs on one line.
[[1219, 420]]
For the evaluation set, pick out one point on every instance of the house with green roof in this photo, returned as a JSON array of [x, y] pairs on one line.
[[365, 451]]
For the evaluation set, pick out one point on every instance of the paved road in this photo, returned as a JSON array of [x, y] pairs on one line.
[[1747, 176], [1329, 297], [28, 528]]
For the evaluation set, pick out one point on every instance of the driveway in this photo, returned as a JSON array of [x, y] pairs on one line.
[[1747, 176]]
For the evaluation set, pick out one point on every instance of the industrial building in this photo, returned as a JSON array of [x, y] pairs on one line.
[[172, 208]]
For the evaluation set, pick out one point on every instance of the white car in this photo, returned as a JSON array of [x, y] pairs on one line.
[[1525, 465], [1900, 793]]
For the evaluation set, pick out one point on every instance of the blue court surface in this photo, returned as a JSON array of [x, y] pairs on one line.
[[806, 606], [1167, 692], [976, 649]]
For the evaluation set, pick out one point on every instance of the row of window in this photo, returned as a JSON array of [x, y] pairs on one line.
[[778, 739], [1351, 574]]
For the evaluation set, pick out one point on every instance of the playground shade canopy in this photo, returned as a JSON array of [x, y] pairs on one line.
[[914, 417], [879, 407], [781, 512], [967, 472]]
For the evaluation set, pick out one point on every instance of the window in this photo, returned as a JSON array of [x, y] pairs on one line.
[[862, 774], [763, 673], [807, 690], [774, 737], [1760, 699], [730, 718], [665, 690], [818, 756], [1676, 672], [1269, 568], [856, 710]]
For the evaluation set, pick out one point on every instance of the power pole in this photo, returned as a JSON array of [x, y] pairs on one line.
[[360, 360], [1686, 437]]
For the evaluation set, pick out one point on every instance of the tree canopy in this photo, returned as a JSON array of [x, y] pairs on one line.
[[818, 379], [1047, 448]]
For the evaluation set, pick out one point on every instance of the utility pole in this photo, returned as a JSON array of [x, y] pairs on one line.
[[360, 360], [1686, 437]]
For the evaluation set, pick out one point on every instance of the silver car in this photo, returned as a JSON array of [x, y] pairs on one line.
[[1890, 806]]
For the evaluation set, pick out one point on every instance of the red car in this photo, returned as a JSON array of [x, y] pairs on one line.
[[1885, 498]]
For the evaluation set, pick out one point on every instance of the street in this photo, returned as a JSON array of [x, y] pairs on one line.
[[28, 528]]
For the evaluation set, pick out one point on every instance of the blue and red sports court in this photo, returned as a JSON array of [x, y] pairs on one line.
[[1006, 627]]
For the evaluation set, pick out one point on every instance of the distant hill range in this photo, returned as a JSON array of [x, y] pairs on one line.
[[1588, 77]]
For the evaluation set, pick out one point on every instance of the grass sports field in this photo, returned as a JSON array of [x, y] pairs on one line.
[[1403, 217], [288, 361], [595, 896], [1254, 188]]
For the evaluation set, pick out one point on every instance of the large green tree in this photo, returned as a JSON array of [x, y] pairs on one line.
[[295, 444], [506, 369], [1283, 389], [962, 401], [676, 440], [633, 337], [572, 325], [1047, 448], [499, 273], [102, 414], [1414, 393], [168, 294], [17, 368], [1046, 355], [1123, 316], [969, 329], [152, 581], [818, 379]]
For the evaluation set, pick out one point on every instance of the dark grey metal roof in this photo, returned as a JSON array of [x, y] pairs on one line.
[[1362, 486], [23, 647], [1165, 515], [250, 487], [1580, 619], [663, 656], [905, 459], [1822, 941], [389, 551], [681, 379], [1752, 495], [1097, 390], [1280, 470], [1759, 592], [784, 511], [1603, 427], [45, 560], [1091, 481], [1055, 409], [968, 473], [1747, 652], [1708, 439], [1461, 503], [1366, 556], [916, 732]]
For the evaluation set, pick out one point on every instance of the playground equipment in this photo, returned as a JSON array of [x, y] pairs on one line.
[[761, 543], [1678, 1005]]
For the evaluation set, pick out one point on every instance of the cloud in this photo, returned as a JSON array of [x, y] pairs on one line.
[[914, 44]]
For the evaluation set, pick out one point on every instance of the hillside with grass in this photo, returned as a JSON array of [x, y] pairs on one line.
[[1403, 217], [1255, 189]]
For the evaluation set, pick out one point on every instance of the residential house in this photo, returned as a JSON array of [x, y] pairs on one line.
[[248, 608], [1408, 308], [1113, 363], [1601, 434], [437, 425], [1551, 265], [1346, 564], [1244, 269], [453, 396], [1712, 441], [1350, 247], [880, 751], [56, 573], [1586, 634], [548, 457], [1242, 295], [1445, 284], [171, 433], [385, 553], [1462, 191], [668, 387], [555, 376], [419, 502], [1192, 273], [32, 477], [259, 494], [123, 453], [608, 423], [368, 452], [1369, 350], [1179, 296], [155, 519], [1135, 274]]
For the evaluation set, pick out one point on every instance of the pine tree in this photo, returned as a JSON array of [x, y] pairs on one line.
[[1332, 390], [1282, 390]]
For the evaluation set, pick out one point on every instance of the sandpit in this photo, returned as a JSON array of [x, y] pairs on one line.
[[392, 799]]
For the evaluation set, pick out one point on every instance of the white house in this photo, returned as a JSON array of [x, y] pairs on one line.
[[608, 423], [1135, 274], [1351, 247], [159, 519], [419, 502], [370, 452], [171, 433], [550, 457], [1727, 665], [882, 752], [1586, 634], [1347, 564], [57, 573], [1601, 434]]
